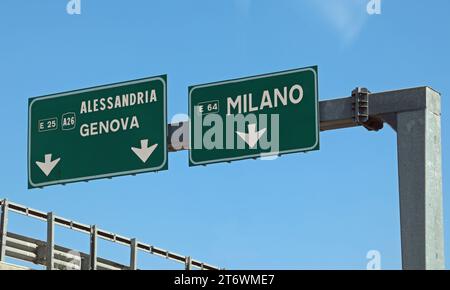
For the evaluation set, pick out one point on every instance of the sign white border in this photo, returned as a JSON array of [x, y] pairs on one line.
[[86, 178], [193, 88]]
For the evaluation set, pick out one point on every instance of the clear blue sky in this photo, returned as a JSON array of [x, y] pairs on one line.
[[315, 210]]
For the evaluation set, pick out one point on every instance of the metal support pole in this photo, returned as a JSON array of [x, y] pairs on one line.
[[93, 252], [50, 240], [133, 254], [420, 183], [188, 263], [3, 230], [415, 114]]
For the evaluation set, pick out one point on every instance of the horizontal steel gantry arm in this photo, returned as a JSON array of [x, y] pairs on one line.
[[338, 113]]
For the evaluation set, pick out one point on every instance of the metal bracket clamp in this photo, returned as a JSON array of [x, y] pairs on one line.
[[361, 112]]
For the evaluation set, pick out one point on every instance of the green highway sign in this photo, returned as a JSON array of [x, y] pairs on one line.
[[99, 132], [253, 117]]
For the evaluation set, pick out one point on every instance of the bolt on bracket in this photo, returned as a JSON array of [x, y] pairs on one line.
[[361, 112]]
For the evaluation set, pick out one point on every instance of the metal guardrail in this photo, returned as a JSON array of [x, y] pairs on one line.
[[56, 257]]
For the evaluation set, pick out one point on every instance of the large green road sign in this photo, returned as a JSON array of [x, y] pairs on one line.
[[259, 116], [99, 132]]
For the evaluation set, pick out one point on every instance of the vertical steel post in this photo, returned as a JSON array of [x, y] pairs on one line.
[[93, 250], [420, 184], [133, 254], [3, 229], [50, 240], [188, 263]]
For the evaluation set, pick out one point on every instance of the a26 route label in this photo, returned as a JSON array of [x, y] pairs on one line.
[[253, 117], [100, 132]]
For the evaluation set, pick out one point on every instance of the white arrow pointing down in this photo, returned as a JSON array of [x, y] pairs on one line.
[[252, 137], [48, 165], [144, 152]]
